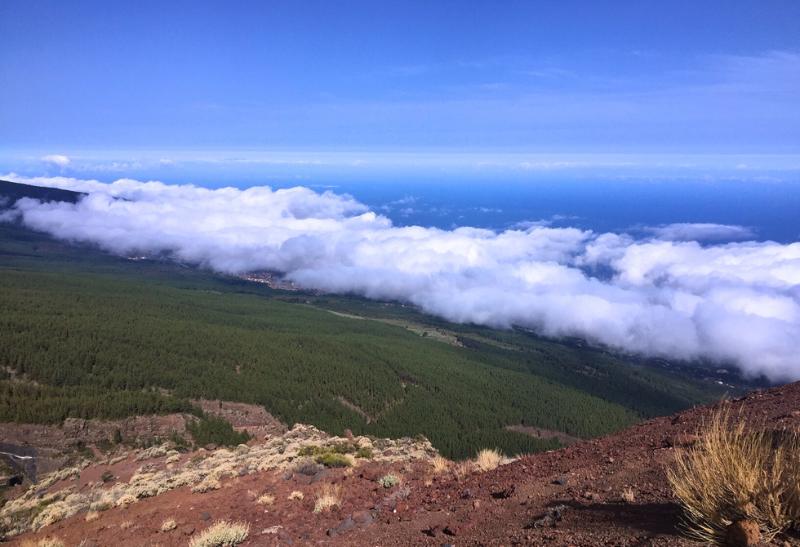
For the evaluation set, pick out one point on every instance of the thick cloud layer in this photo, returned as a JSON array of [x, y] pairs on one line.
[[733, 303]]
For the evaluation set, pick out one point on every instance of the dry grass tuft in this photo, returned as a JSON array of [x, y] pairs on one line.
[[221, 534], [125, 500], [127, 524], [266, 499], [92, 515], [296, 495], [488, 459], [463, 469], [627, 495], [168, 525], [208, 484], [441, 464], [733, 473], [329, 496]]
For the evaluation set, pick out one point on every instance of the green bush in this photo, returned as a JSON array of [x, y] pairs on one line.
[[364, 452], [181, 444], [387, 481], [311, 450], [331, 459], [214, 430]]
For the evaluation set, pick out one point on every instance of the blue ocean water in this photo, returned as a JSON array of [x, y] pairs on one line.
[[770, 210]]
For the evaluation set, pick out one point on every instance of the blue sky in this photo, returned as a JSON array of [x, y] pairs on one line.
[[310, 88]]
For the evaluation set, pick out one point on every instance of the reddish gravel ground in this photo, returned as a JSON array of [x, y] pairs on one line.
[[572, 496]]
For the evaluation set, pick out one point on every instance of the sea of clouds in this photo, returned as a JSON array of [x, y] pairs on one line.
[[660, 295]]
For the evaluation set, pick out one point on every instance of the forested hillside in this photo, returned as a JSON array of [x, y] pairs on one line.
[[89, 335]]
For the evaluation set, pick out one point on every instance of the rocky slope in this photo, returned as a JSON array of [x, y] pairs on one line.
[[609, 491]]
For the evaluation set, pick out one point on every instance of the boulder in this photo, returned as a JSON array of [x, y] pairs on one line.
[[743, 533]]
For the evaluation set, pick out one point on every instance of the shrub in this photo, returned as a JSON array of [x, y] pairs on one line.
[[463, 469], [179, 441], [333, 448], [310, 450], [103, 504], [440, 464], [329, 496], [266, 499], [735, 472], [488, 459], [168, 525], [387, 481], [107, 476], [342, 447], [296, 495], [209, 483], [364, 452], [627, 495], [331, 459], [214, 430], [221, 534]]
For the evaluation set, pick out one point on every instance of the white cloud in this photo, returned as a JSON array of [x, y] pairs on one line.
[[703, 231], [736, 303], [58, 160]]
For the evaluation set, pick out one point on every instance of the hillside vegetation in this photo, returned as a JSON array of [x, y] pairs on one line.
[[88, 335]]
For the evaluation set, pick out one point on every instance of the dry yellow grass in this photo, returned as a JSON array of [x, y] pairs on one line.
[[488, 459], [92, 515], [221, 534], [127, 524], [627, 495], [266, 499], [296, 495], [168, 525], [463, 469], [736, 472], [329, 496], [440, 464]]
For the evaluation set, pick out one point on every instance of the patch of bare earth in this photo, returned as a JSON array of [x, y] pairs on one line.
[[244, 417], [540, 433]]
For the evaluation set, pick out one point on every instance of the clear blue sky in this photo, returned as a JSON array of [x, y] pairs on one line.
[[362, 80]]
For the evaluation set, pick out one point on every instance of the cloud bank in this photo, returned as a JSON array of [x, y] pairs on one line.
[[735, 303], [702, 231]]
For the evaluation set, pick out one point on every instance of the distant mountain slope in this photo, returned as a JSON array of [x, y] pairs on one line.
[[108, 337], [13, 191]]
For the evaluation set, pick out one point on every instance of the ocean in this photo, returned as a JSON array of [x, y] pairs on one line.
[[770, 210]]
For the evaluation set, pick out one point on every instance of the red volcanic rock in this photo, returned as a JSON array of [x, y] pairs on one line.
[[743, 533]]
